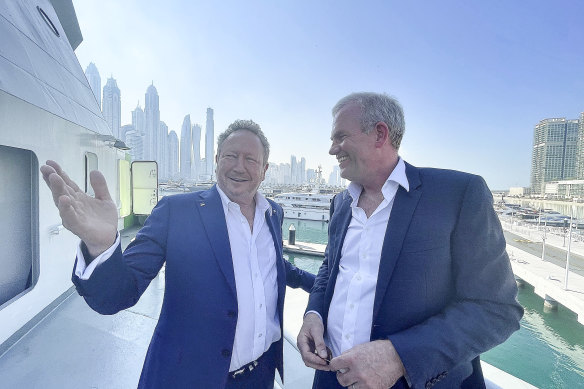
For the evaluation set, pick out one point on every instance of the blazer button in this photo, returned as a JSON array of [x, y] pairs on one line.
[[231, 313], [226, 353]]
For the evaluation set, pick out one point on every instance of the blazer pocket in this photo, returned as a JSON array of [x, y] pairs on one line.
[[415, 246]]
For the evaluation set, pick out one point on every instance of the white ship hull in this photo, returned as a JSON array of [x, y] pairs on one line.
[[306, 214]]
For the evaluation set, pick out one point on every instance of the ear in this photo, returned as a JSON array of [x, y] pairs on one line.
[[381, 134], [216, 158], [265, 170]]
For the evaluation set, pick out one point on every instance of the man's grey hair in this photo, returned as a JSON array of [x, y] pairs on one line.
[[375, 108], [248, 125]]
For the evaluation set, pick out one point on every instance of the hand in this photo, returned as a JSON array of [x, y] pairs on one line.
[[374, 365], [94, 220], [311, 339]]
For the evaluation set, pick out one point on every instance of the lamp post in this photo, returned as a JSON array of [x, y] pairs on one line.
[[568, 254], [544, 232]]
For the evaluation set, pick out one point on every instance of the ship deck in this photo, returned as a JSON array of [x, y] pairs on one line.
[[75, 347]]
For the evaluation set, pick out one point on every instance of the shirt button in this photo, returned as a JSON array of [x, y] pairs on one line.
[[261, 305], [260, 335], [352, 306], [347, 336], [358, 277]]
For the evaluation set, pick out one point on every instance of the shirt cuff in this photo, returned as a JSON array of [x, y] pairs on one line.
[[318, 314], [82, 270]]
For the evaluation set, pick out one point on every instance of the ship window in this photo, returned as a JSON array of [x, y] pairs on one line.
[[19, 247], [90, 164], [48, 21]]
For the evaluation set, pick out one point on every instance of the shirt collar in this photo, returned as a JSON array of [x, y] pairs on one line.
[[261, 202], [398, 176]]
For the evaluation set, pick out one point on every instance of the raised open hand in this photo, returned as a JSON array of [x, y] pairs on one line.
[[94, 220]]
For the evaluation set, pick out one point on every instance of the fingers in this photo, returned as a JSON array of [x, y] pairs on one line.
[[99, 185], [306, 345], [68, 181]]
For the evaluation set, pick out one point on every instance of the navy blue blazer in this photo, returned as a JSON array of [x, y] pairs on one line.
[[445, 290], [192, 343]]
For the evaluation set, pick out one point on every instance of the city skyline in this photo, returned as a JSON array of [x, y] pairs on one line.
[[474, 78]]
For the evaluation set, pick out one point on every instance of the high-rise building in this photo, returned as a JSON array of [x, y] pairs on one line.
[[162, 151], [554, 156], [138, 120], [94, 80], [196, 166], [293, 170], [186, 148], [580, 156], [173, 172], [112, 106], [152, 120], [210, 144], [302, 171], [135, 142]]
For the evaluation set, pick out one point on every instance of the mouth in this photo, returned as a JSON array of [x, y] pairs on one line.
[[237, 179], [342, 159]]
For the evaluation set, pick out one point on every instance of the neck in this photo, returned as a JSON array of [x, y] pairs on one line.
[[377, 179]]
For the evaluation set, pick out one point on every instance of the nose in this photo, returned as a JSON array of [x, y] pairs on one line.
[[239, 165], [334, 149]]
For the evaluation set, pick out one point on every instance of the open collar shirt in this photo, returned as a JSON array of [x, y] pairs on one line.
[[350, 316], [256, 281]]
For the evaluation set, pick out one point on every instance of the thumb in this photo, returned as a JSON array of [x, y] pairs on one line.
[[99, 185]]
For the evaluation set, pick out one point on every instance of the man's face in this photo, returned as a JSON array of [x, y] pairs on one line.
[[240, 166], [352, 148]]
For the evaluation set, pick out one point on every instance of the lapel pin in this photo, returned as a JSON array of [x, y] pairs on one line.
[[202, 204]]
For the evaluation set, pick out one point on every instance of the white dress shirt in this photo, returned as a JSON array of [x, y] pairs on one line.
[[350, 315], [256, 279]]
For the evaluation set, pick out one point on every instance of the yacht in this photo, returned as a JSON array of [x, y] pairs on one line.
[[305, 205]]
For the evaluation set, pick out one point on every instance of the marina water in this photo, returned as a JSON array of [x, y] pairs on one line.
[[548, 350]]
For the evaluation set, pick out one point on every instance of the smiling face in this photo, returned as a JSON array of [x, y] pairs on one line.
[[353, 148], [240, 166]]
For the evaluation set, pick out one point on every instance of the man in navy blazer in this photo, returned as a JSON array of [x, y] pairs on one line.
[[222, 248], [415, 283]]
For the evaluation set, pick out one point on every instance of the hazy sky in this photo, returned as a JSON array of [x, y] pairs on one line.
[[474, 77]]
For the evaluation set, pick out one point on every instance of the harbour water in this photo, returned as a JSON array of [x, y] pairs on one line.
[[547, 351]]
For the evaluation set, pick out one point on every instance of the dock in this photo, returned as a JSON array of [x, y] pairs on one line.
[[305, 248]]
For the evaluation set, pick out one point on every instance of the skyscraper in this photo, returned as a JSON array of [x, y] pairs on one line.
[[302, 171], [186, 148], [293, 170], [94, 80], [209, 143], [173, 155], [135, 142], [152, 120], [138, 120], [162, 151], [196, 166], [555, 145], [112, 106]]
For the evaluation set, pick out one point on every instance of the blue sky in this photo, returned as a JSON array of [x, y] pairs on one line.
[[474, 77]]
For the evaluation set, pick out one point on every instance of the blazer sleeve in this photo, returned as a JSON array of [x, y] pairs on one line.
[[119, 282], [484, 311], [295, 277]]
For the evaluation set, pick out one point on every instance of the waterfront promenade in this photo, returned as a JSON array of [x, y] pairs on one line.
[[549, 279]]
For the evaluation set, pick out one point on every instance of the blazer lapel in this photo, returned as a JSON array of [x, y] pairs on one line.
[[342, 215], [273, 223], [213, 219], [401, 215]]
